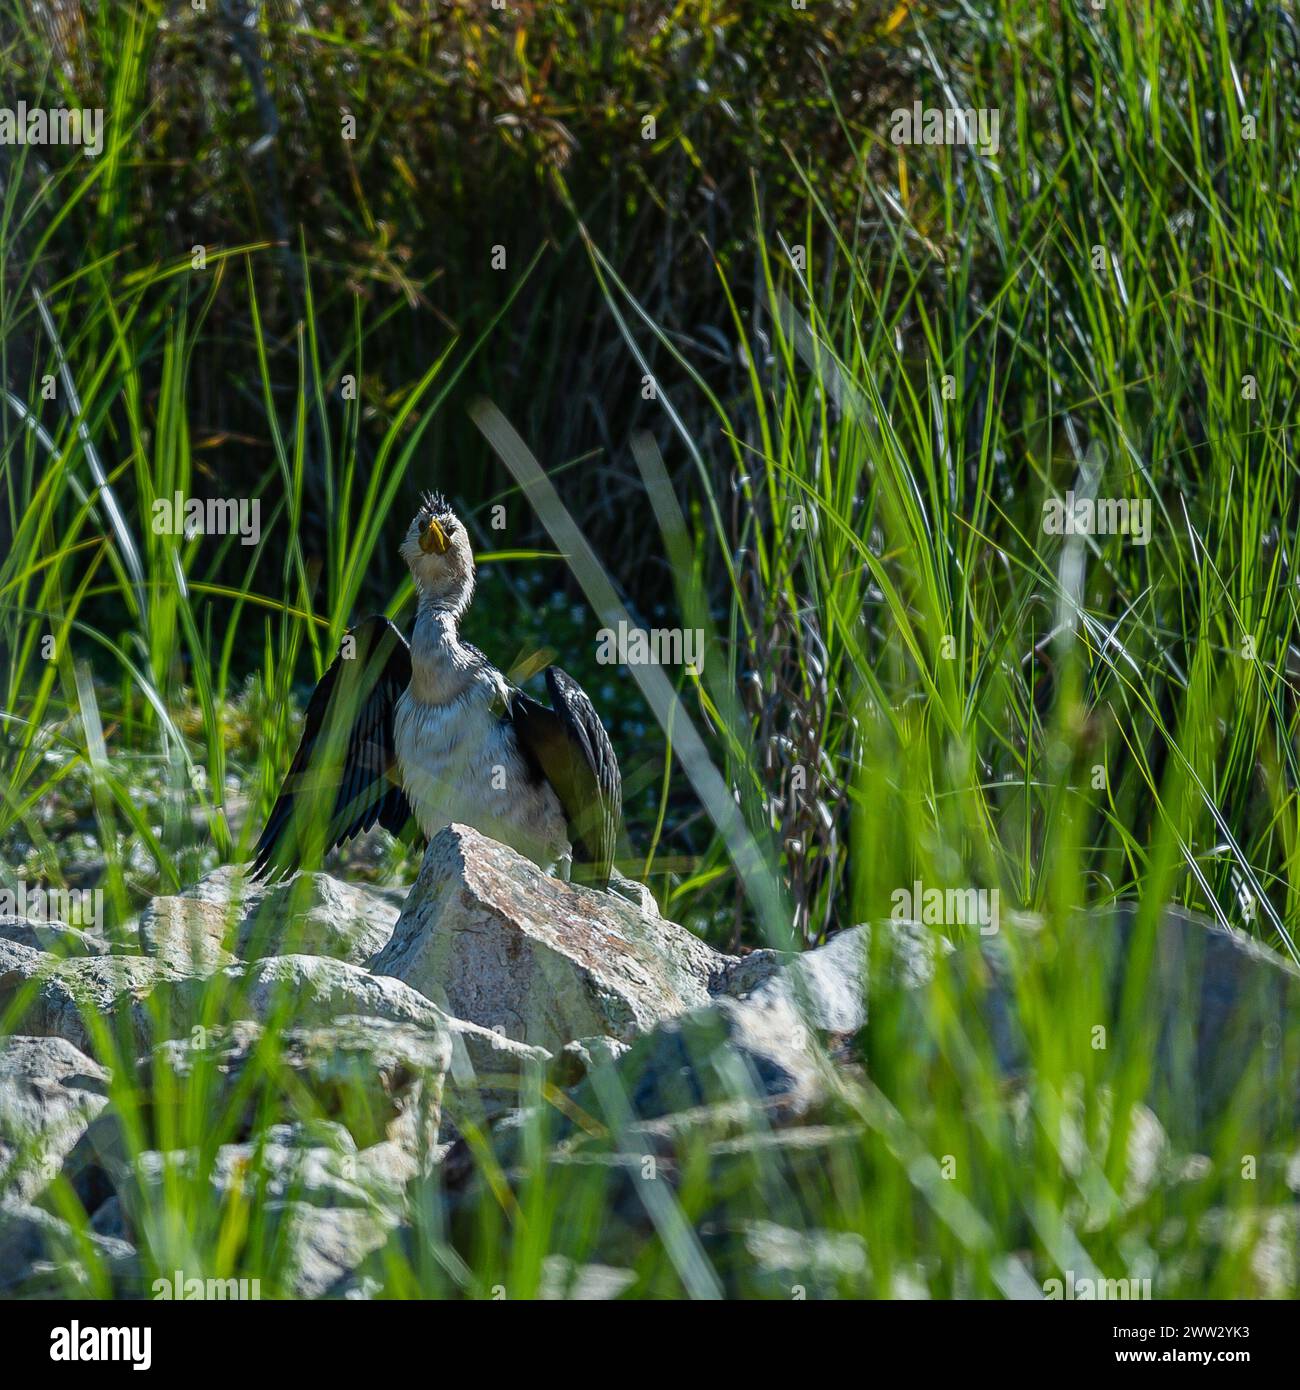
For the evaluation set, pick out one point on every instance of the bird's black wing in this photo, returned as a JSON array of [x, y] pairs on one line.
[[346, 761], [569, 746]]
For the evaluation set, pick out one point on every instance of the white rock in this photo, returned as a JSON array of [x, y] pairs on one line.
[[225, 917], [41, 1256], [493, 940], [49, 1093], [69, 998], [55, 937]]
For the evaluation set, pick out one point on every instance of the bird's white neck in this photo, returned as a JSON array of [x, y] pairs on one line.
[[441, 666]]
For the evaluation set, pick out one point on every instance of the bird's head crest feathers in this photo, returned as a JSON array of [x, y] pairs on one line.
[[434, 504]]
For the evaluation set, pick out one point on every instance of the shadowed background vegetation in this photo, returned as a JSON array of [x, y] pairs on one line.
[[372, 256]]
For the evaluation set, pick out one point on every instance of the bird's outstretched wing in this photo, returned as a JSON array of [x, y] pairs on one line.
[[569, 746], [346, 763]]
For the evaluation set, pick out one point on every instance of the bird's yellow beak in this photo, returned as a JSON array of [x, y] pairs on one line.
[[433, 539]]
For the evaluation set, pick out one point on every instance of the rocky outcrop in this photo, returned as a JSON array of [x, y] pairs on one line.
[[493, 940], [755, 1049], [90, 1002], [505, 1023]]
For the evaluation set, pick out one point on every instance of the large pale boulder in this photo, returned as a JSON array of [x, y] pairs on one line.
[[75, 998], [187, 933], [225, 917], [313, 989], [492, 939], [56, 937], [1218, 1014], [760, 1040], [49, 1093], [828, 985], [372, 1087]]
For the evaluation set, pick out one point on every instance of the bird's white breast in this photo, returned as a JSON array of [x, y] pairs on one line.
[[459, 762]]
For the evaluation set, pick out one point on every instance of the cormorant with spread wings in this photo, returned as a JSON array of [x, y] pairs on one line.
[[433, 733]]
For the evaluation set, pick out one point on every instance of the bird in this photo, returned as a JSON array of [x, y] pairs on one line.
[[432, 733]]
